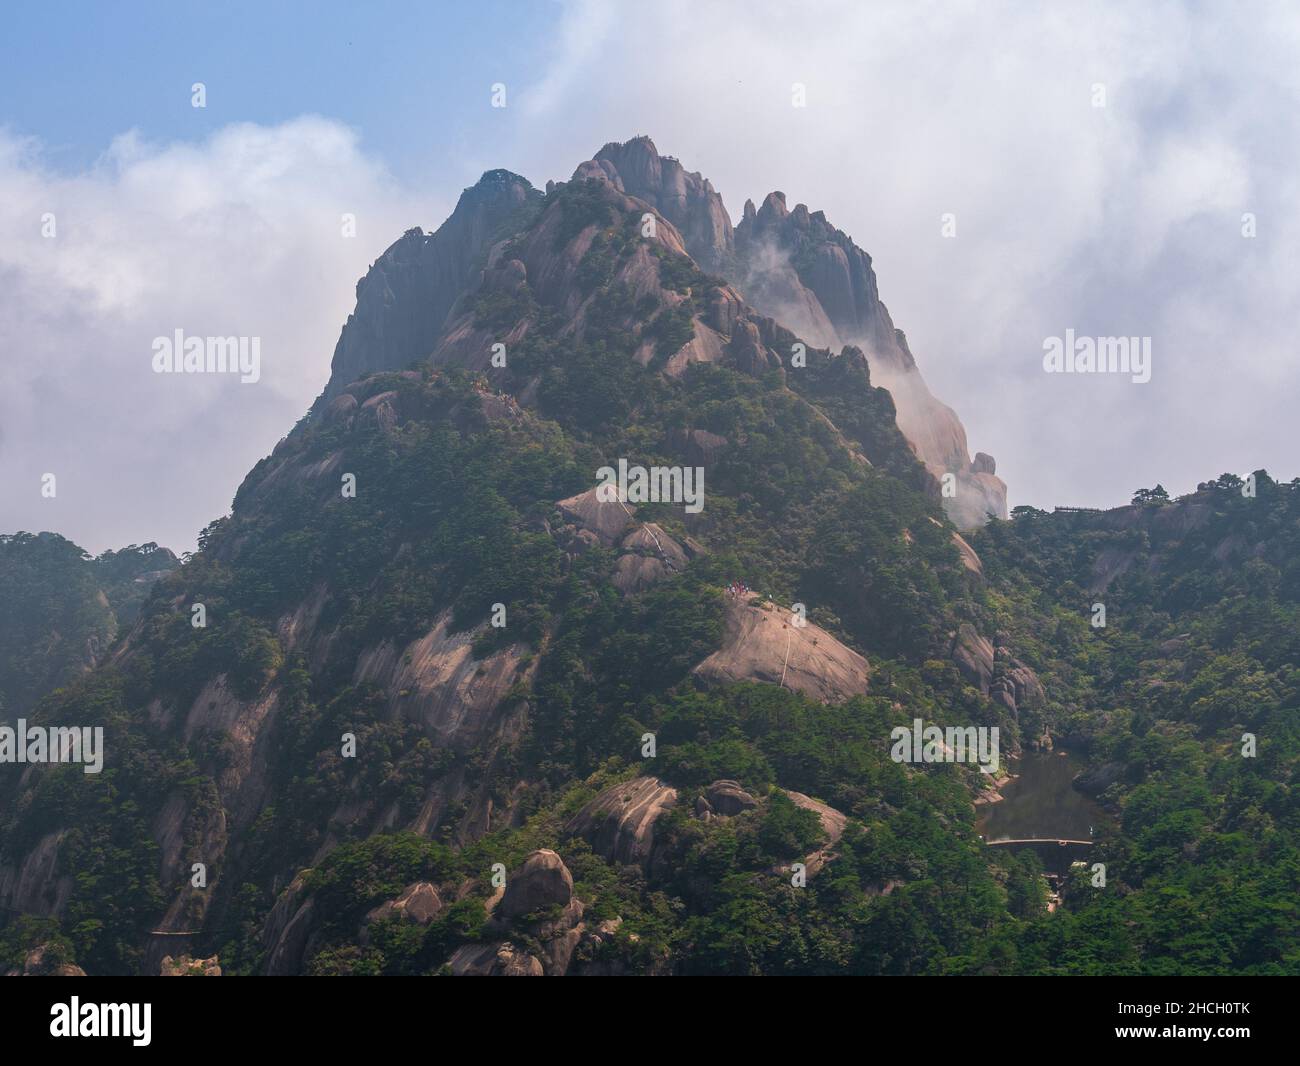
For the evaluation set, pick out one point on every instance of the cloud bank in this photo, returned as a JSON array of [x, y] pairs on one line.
[[240, 235], [1119, 220]]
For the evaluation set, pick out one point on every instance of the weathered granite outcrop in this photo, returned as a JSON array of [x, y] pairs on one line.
[[33, 885], [419, 903], [502, 959], [43, 961], [406, 296], [973, 656], [686, 199], [605, 518], [543, 881], [620, 822], [761, 644], [438, 680], [1014, 684], [537, 908], [832, 822], [648, 554], [184, 966], [727, 798], [796, 267]]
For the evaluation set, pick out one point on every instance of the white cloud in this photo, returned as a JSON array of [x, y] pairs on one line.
[[238, 235], [1117, 220]]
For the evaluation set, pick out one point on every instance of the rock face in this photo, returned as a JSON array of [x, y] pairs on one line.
[[796, 268], [833, 823], [765, 645], [1014, 684], [543, 881], [801, 270], [727, 798], [417, 903], [973, 655], [619, 824], [606, 519], [287, 929], [438, 680], [41, 961], [184, 966], [648, 555], [34, 886], [404, 299], [687, 200], [494, 960]]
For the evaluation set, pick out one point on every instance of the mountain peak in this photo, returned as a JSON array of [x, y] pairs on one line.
[[684, 198]]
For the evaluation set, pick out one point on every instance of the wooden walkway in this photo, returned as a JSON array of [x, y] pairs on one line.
[[1037, 840]]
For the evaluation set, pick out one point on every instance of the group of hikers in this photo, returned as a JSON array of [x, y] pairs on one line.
[[738, 589]]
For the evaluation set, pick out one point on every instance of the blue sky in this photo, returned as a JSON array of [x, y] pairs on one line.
[[1119, 220], [411, 76]]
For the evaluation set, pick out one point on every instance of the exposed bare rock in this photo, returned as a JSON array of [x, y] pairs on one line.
[[649, 554], [184, 836], [748, 352], [288, 470], [537, 903], [407, 295], [798, 268], [542, 881], [240, 723], [1015, 685], [833, 823], [341, 408], [438, 681], [633, 573], [979, 496], [297, 628], [1109, 564], [184, 966], [290, 949], [620, 822], [699, 447], [41, 961], [606, 519], [287, 928], [969, 559], [973, 655], [494, 960], [685, 199], [727, 798], [559, 937], [417, 903], [35, 887], [705, 346], [765, 645], [650, 539]]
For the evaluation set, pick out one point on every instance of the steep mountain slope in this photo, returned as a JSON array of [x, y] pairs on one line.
[[799, 269], [369, 613], [60, 610], [435, 652], [792, 266], [403, 300], [1187, 703]]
